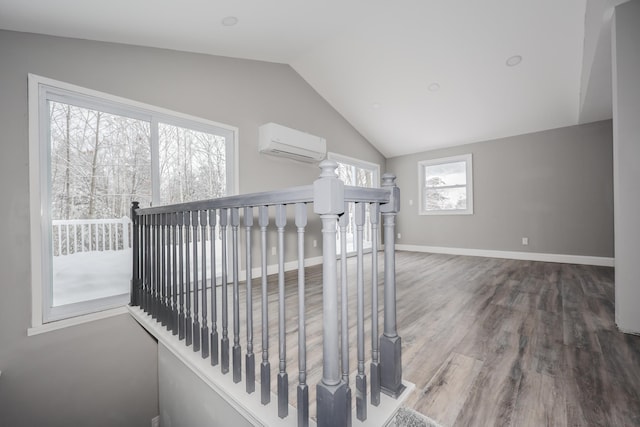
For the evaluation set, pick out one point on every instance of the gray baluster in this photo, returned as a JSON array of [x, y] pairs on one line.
[[142, 252], [343, 223], [390, 342], [204, 330], [214, 303], [163, 271], [224, 341], [188, 321], [174, 272], [237, 350], [136, 278], [146, 280], [374, 213], [283, 379], [265, 367], [181, 316], [303, 389], [169, 271], [196, 294], [331, 392], [152, 264], [361, 377], [156, 270], [250, 358]]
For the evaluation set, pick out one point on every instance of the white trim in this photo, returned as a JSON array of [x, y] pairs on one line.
[[236, 163], [628, 331], [256, 272], [234, 394], [78, 320], [526, 256], [34, 202], [468, 159], [363, 164]]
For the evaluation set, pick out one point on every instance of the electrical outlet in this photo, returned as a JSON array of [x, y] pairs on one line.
[[315, 243], [155, 421], [273, 250], [410, 202], [399, 236], [525, 241]]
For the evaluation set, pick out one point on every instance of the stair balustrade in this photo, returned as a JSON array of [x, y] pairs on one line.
[[180, 270]]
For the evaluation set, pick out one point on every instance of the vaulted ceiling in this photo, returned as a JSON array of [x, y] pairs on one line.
[[409, 75]]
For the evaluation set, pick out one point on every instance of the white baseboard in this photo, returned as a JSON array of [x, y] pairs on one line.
[[273, 268], [526, 256]]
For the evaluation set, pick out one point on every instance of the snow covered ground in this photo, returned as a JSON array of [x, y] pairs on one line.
[[91, 275]]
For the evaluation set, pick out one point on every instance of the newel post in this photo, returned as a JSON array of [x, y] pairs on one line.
[[136, 281], [331, 392], [390, 342]]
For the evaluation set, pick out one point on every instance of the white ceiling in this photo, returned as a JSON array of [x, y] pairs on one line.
[[374, 60]]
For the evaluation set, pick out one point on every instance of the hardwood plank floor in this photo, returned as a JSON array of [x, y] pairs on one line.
[[488, 342], [543, 335]]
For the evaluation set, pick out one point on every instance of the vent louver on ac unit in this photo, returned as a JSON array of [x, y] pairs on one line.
[[278, 140]]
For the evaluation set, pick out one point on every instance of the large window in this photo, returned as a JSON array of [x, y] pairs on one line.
[[92, 154], [446, 185]]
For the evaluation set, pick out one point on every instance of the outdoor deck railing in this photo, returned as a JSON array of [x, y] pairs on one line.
[[72, 236], [172, 266]]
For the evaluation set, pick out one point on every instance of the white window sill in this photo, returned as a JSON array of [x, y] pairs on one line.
[[78, 320]]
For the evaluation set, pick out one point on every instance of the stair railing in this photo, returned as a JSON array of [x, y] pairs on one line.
[[177, 256]]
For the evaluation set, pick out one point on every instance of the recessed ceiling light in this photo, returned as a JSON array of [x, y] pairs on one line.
[[229, 21], [375, 105], [434, 87], [514, 60]]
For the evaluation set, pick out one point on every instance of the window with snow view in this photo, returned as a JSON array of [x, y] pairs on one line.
[[446, 185], [357, 173], [98, 153]]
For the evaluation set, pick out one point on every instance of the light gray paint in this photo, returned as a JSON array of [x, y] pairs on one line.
[[554, 187], [186, 400], [104, 373], [626, 142]]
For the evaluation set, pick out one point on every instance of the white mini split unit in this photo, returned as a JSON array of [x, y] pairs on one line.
[[278, 140]]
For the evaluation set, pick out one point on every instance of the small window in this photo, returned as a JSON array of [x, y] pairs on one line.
[[446, 186]]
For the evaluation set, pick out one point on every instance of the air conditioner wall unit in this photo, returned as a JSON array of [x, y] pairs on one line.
[[278, 140]]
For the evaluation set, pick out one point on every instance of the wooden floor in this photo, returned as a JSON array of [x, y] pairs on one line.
[[487, 342], [505, 342]]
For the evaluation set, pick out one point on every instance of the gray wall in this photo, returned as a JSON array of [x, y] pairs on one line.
[[187, 401], [626, 119], [554, 187], [104, 373]]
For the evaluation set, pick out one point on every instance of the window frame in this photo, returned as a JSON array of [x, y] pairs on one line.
[[374, 168], [41, 90], [422, 187], [358, 163]]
